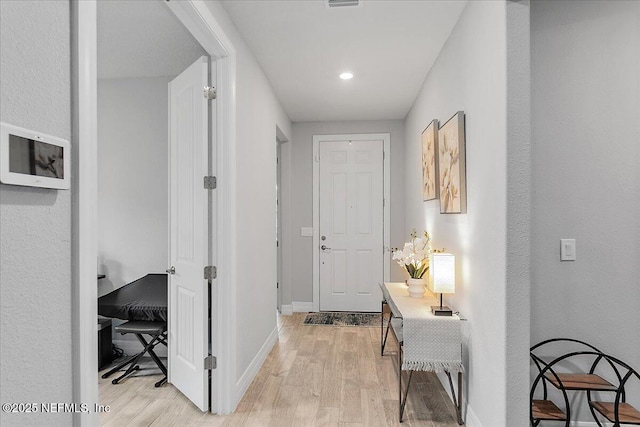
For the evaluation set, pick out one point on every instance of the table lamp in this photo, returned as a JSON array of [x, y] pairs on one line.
[[442, 279]]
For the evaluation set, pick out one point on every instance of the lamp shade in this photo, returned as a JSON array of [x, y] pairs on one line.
[[442, 273]]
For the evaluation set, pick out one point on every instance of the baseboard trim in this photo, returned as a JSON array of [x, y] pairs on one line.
[[473, 421], [301, 307], [133, 346], [471, 418], [252, 370], [286, 310]]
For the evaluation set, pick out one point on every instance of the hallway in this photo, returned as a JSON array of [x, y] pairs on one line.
[[314, 376]]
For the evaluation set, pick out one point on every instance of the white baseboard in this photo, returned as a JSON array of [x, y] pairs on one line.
[[471, 418], [473, 421], [249, 374], [286, 310], [302, 307], [133, 346]]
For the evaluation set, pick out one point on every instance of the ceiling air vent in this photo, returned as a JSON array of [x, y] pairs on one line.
[[341, 3]]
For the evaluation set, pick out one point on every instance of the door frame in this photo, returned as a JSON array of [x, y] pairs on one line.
[[205, 28], [281, 140], [279, 224], [386, 171]]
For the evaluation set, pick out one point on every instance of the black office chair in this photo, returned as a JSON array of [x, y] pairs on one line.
[[158, 333]]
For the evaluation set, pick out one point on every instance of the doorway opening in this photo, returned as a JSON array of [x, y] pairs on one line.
[[279, 224], [200, 23], [282, 150], [153, 149]]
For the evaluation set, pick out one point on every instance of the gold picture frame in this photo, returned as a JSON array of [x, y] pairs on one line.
[[430, 187], [452, 165]]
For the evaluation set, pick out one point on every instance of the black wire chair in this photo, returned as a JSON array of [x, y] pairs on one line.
[[617, 412]]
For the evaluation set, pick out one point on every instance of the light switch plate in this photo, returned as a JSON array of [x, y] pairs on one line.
[[306, 231], [567, 249]]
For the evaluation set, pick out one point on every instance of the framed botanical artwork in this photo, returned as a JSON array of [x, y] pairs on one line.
[[451, 165], [430, 185]]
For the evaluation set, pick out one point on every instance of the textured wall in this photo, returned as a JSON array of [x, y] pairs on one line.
[[585, 62], [35, 224], [298, 257], [518, 212], [470, 75]]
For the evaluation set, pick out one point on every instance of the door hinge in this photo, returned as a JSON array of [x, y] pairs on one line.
[[384, 202], [210, 92], [210, 182], [210, 272], [210, 362]]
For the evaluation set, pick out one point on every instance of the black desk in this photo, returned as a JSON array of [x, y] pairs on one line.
[[142, 299], [143, 303]]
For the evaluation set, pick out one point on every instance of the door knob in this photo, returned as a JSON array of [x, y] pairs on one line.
[[324, 248], [171, 270]]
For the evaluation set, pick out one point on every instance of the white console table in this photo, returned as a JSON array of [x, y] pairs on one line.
[[425, 342]]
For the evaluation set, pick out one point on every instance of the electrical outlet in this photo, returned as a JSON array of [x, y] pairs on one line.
[[567, 249]]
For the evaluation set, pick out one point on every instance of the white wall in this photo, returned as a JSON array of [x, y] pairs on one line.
[[35, 225], [132, 179], [297, 255], [258, 113], [470, 75], [586, 174]]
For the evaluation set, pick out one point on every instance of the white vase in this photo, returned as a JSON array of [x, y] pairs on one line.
[[416, 288]]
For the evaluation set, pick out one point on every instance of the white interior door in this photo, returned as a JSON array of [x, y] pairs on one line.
[[189, 233], [351, 225]]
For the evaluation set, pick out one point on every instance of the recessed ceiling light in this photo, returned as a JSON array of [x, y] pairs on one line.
[[337, 3], [346, 75]]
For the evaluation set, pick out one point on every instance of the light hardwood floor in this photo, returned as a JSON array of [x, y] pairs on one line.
[[314, 376]]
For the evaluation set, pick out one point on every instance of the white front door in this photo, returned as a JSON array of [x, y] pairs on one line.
[[189, 233], [351, 225]]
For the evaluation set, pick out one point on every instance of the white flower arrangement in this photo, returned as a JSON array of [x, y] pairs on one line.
[[414, 257]]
